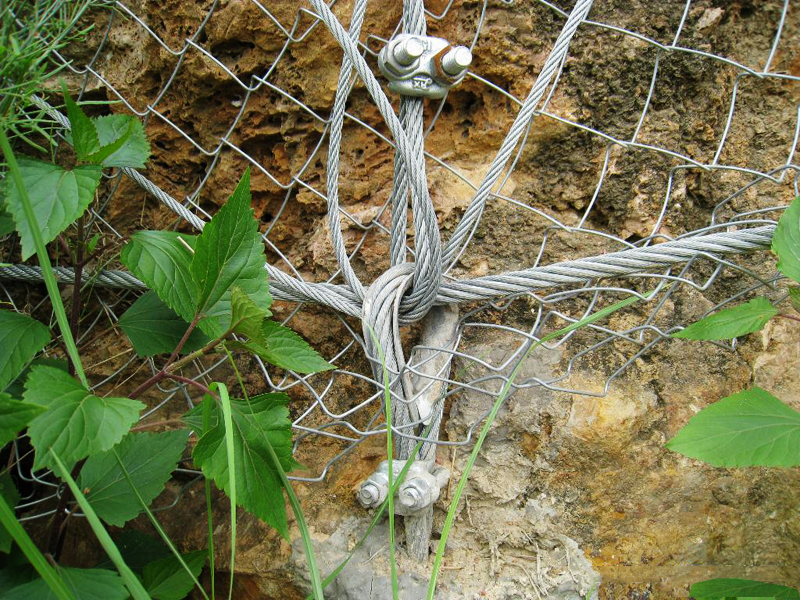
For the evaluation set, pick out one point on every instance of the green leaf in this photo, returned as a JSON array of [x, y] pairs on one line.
[[14, 415], [166, 579], [21, 337], [16, 571], [16, 389], [731, 322], [247, 318], [137, 549], [76, 422], [284, 348], [149, 458], [258, 486], [154, 328], [83, 132], [230, 250], [130, 580], [93, 243], [164, 264], [749, 428], [720, 588], [58, 197], [86, 584], [8, 520], [6, 220], [794, 297], [134, 149], [10, 494], [786, 241]]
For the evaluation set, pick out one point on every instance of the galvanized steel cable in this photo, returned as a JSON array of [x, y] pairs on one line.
[[493, 287], [469, 221], [427, 241], [406, 292]]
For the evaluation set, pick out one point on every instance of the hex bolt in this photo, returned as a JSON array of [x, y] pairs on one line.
[[456, 60], [371, 494], [408, 51], [411, 495]]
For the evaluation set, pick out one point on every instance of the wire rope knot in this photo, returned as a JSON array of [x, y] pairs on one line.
[[381, 327]]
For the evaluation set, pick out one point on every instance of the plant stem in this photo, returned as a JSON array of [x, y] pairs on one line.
[[191, 382], [41, 252], [182, 343], [168, 370], [56, 536], [790, 317], [54, 582], [208, 405], [209, 347], [147, 385], [387, 402]]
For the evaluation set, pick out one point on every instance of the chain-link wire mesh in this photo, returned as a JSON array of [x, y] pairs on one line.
[[596, 194]]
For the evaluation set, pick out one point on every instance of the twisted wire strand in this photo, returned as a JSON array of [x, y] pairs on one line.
[[345, 300], [411, 115], [428, 246], [494, 287], [463, 232], [334, 149]]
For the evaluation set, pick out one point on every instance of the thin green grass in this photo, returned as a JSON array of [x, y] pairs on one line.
[[158, 527], [377, 517], [36, 558], [451, 513], [208, 406], [227, 417], [316, 580], [129, 579], [387, 403], [44, 258]]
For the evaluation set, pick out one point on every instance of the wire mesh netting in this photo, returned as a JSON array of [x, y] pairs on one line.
[[652, 144]]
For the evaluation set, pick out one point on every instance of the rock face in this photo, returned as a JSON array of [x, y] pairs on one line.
[[574, 494]]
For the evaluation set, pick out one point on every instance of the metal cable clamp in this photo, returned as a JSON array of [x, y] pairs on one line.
[[420, 489], [417, 65]]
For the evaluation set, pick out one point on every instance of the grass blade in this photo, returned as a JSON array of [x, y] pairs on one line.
[[378, 515], [157, 525], [36, 558], [208, 405], [44, 258], [131, 581], [387, 403], [227, 419], [316, 581], [451, 513]]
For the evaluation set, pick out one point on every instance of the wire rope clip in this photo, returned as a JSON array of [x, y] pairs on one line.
[[423, 482], [425, 66]]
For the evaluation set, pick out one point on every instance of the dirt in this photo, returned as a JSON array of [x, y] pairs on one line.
[[582, 482]]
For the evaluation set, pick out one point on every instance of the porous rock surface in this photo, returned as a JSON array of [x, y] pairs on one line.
[[571, 491]]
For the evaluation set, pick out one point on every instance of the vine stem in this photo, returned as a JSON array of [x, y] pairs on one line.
[[790, 317], [182, 343], [191, 382]]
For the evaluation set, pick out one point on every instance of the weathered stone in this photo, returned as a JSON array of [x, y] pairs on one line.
[[567, 486]]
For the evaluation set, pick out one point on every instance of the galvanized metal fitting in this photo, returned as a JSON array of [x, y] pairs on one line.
[[421, 488], [417, 65], [375, 488]]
